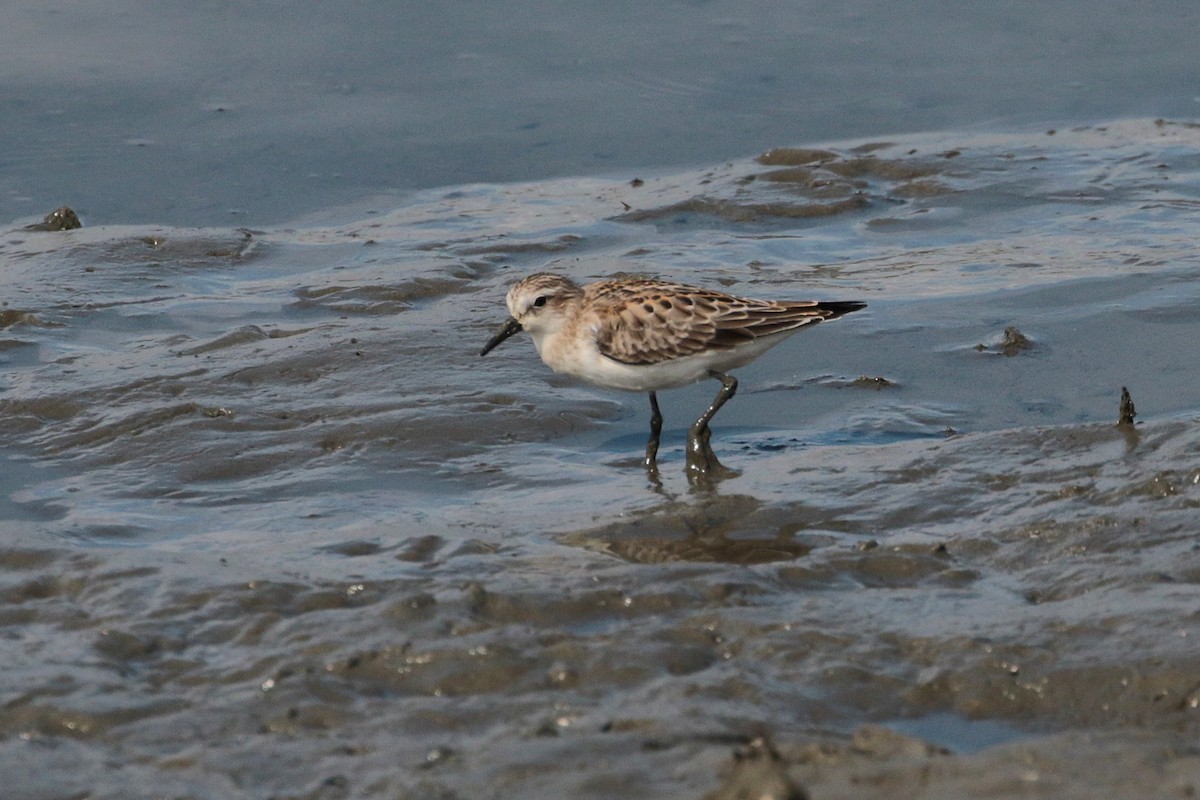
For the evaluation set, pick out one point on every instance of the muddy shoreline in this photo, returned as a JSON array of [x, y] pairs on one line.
[[272, 529]]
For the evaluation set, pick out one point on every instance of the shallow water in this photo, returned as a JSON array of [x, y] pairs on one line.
[[260, 113], [273, 528]]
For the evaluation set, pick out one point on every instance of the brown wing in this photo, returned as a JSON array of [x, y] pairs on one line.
[[648, 322], [656, 323]]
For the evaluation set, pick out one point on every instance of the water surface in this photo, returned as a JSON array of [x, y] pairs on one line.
[[260, 113]]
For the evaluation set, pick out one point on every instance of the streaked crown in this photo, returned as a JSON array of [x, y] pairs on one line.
[[531, 296]]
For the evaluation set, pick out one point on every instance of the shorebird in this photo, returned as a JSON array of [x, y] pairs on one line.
[[646, 335]]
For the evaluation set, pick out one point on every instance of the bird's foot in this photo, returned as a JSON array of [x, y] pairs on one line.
[[650, 462], [651, 459], [703, 468]]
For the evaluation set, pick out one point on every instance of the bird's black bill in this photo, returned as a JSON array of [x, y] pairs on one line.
[[511, 327]]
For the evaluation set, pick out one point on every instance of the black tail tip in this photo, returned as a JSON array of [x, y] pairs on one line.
[[840, 307]]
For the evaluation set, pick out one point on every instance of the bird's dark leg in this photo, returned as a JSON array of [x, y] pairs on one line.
[[701, 460], [728, 390], [651, 461]]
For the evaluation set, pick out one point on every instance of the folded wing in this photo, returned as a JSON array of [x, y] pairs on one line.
[[652, 322]]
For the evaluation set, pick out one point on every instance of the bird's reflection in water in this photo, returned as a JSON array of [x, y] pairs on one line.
[[737, 529]]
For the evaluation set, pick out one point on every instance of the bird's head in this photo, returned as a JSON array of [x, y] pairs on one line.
[[539, 304]]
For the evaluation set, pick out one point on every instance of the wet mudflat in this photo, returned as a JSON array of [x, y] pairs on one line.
[[273, 529]]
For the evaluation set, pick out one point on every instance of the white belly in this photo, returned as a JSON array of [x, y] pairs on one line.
[[584, 362]]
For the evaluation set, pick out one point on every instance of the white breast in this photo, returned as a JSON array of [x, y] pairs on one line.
[[578, 357]]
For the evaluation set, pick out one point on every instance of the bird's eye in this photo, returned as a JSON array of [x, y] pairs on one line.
[[541, 301]]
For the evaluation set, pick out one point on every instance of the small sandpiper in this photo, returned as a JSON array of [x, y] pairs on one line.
[[645, 335]]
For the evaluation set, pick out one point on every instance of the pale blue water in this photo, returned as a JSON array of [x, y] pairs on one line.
[[248, 113]]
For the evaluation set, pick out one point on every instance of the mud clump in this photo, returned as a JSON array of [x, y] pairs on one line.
[[1012, 342], [61, 219], [1126, 411]]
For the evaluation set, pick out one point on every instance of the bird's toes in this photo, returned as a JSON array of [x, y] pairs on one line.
[[702, 462]]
